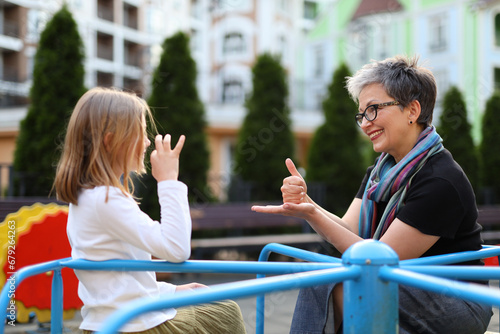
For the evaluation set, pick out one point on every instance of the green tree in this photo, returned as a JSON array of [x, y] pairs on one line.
[[178, 111], [488, 150], [455, 130], [58, 83], [335, 157], [265, 139]]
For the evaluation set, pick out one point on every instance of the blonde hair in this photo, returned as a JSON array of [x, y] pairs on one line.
[[104, 123]]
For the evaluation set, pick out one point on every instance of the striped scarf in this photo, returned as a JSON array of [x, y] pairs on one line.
[[389, 182]]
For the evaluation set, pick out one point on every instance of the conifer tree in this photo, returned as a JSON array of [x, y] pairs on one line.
[[490, 178], [265, 138], [58, 83], [455, 130], [335, 155], [178, 111]]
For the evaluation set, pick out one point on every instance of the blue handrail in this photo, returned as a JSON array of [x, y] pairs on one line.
[[473, 292], [365, 261], [237, 267], [56, 320], [417, 265], [229, 291], [196, 266]]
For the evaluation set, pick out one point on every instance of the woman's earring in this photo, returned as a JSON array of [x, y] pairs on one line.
[[411, 122]]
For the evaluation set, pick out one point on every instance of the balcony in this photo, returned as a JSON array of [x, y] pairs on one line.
[[133, 85], [11, 28], [104, 46], [104, 79], [130, 17], [105, 10], [133, 54]]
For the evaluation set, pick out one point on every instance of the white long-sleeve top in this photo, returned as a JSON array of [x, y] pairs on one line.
[[118, 229]]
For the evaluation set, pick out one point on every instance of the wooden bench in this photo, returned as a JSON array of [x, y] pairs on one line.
[[489, 218], [240, 228]]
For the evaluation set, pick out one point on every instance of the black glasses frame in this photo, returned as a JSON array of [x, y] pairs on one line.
[[359, 116]]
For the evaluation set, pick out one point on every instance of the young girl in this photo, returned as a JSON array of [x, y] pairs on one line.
[[105, 142]]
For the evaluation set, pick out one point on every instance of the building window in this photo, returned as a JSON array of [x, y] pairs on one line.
[[104, 46], [132, 53], [105, 10], [283, 48], [319, 98], [284, 5], [104, 79], [130, 16], [232, 91], [497, 29], [383, 42], [195, 40], [30, 66], [437, 33], [319, 61], [359, 46], [442, 83], [133, 85], [310, 10], [234, 43], [196, 9], [496, 75], [36, 22]]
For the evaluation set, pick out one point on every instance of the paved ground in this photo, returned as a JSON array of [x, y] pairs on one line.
[[278, 313]]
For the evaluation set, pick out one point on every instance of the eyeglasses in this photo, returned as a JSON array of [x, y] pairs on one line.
[[370, 112]]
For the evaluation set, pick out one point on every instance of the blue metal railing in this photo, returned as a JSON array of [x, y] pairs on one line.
[[366, 264]]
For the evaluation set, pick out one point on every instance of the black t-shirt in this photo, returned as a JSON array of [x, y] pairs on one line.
[[440, 201]]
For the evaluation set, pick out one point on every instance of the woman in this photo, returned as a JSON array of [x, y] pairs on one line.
[[415, 198]]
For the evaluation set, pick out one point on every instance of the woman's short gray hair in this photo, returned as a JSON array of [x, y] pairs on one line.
[[403, 79]]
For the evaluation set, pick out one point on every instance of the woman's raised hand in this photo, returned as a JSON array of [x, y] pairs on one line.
[[294, 192], [294, 188], [164, 159]]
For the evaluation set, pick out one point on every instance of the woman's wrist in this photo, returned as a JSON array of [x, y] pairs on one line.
[[314, 213]]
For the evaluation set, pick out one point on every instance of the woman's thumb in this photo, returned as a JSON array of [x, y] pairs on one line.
[[291, 168]]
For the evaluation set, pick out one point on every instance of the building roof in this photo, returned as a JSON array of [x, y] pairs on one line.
[[369, 7]]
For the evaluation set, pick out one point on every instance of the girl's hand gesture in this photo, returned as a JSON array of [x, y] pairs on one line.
[[164, 160]]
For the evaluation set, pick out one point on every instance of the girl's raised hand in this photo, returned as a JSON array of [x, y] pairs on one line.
[[164, 159]]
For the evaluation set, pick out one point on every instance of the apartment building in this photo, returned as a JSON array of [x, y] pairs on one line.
[[117, 40], [459, 40], [123, 38], [226, 38]]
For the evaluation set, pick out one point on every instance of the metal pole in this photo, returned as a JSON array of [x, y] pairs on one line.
[[291, 252], [370, 304], [56, 316], [227, 291]]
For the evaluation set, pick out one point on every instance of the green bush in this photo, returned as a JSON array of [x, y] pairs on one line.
[[488, 150], [179, 111], [455, 130], [335, 157], [265, 139], [58, 78]]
